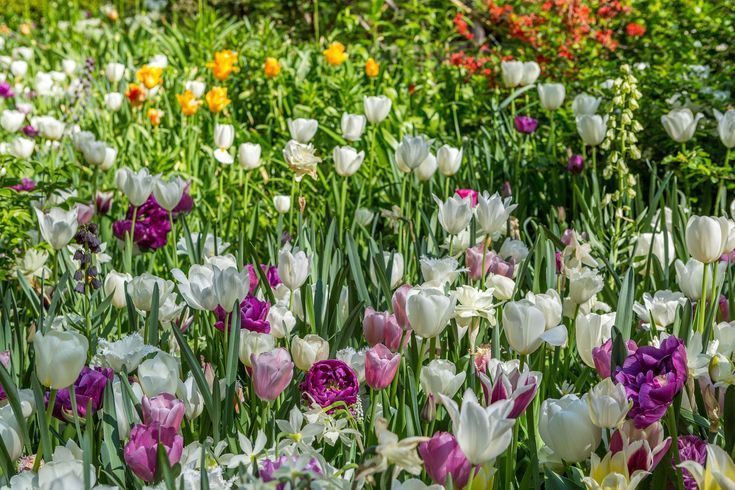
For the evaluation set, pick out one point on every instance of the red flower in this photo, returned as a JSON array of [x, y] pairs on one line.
[[635, 30]]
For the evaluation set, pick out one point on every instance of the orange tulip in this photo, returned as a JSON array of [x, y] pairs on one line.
[[335, 54], [217, 99], [372, 68], [150, 76], [272, 67]]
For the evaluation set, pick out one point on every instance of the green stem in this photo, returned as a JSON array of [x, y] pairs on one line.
[[49, 411]]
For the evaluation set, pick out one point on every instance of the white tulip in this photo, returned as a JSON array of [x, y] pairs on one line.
[[707, 237], [592, 330], [109, 160], [168, 193], [189, 393], [726, 127], [12, 121], [136, 186], [512, 72], [305, 352], [608, 404], [658, 246], [254, 343], [114, 286], [550, 305], [689, 278], [94, 152], [429, 312], [196, 87], [114, 72], [454, 214], [124, 354], [364, 216], [23, 52], [394, 261], [377, 108], [427, 169], [50, 128], [302, 130], [531, 71], [281, 320], [81, 138], [22, 148], [352, 126], [524, 325], [60, 357], [492, 214], [355, 359], [659, 311], [293, 268], [551, 95], [411, 152], [10, 433], [483, 433], [301, 158], [158, 61], [502, 287], [282, 204], [449, 159], [513, 249], [57, 226], [113, 101], [592, 128], [565, 426], [140, 289], [69, 66], [440, 377], [680, 124], [230, 286], [19, 68], [224, 135], [65, 470], [248, 155], [438, 272], [583, 284], [160, 374], [347, 160], [585, 105]]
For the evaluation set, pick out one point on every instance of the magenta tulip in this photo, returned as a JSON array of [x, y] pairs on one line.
[[141, 451], [443, 457], [381, 366], [164, 410], [272, 372], [382, 328]]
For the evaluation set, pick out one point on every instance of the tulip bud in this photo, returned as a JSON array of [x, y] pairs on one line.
[[585, 105], [583, 284], [159, 374], [429, 311], [551, 95], [60, 357], [254, 343], [11, 121], [196, 87], [272, 372], [531, 71], [569, 416], [592, 331], [449, 160], [114, 101], [347, 160], [398, 301], [707, 237], [168, 193], [608, 404], [164, 410], [377, 108], [114, 286], [680, 124], [21, 148], [383, 328], [136, 186], [249, 155], [309, 350], [381, 366], [592, 128], [114, 72], [352, 126], [293, 268], [411, 152], [454, 214], [302, 130], [726, 127], [512, 72], [282, 204], [392, 261]]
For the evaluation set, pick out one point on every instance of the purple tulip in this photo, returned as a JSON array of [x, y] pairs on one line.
[[271, 273], [691, 448], [381, 366], [473, 261], [603, 356], [164, 410], [723, 313], [269, 468], [525, 124], [253, 315], [103, 202], [6, 90], [89, 386], [141, 451], [514, 385], [506, 190], [26, 185], [330, 381], [443, 457], [502, 267], [5, 361], [152, 223], [575, 165], [271, 373], [30, 131], [382, 328], [652, 377]]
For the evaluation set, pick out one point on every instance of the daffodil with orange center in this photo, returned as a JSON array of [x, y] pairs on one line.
[[223, 64], [272, 67], [154, 116], [372, 68], [188, 102], [335, 54], [150, 76], [217, 99], [135, 95]]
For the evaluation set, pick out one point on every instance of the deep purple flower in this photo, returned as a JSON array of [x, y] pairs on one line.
[[141, 451], [506, 190], [330, 381], [575, 164], [723, 312], [602, 356], [26, 185], [253, 316], [267, 471], [652, 377], [103, 202], [271, 274], [90, 385], [525, 124], [442, 457], [30, 131], [6, 90], [691, 448], [152, 223], [559, 260]]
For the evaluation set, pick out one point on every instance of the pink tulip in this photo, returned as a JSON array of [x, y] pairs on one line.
[[602, 356], [382, 328], [473, 261], [381, 366], [164, 410], [272, 372], [141, 451], [399, 305], [465, 193], [514, 385], [443, 457], [85, 213]]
